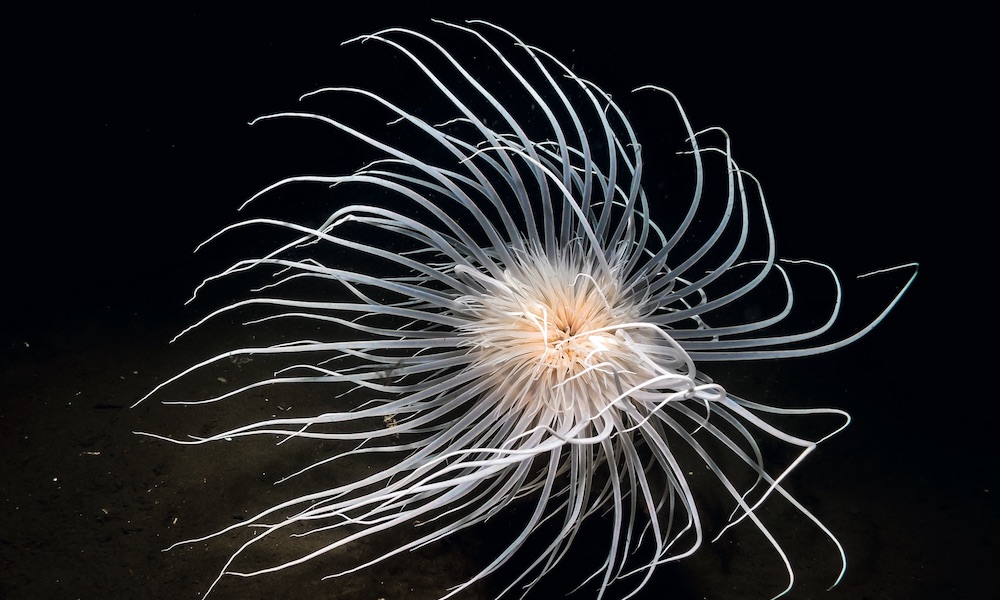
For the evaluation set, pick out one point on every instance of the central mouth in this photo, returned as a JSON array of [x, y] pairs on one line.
[[557, 332], [568, 341]]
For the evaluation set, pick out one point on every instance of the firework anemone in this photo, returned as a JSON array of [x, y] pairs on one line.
[[503, 299]]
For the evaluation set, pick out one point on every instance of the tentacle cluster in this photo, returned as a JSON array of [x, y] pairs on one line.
[[516, 313]]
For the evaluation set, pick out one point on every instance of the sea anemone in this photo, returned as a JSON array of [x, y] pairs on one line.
[[515, 328]]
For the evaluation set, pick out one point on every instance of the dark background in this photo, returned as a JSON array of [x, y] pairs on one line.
[[128, 144]]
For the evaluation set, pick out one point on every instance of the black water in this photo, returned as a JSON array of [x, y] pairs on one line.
[[131, 147]]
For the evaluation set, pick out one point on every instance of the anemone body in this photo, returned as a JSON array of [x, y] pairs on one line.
[[506, 302]]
